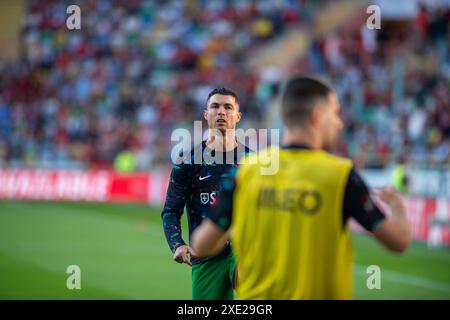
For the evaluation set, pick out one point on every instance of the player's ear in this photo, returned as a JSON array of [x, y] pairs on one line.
[[239, 115], [316, 114], [205, 114]]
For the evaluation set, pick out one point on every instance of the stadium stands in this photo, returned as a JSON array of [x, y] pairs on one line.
[[138, 69]]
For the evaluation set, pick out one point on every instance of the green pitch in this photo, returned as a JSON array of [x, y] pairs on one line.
[[122, 253]]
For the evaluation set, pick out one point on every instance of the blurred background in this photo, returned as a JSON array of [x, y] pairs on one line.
[[86, 118]]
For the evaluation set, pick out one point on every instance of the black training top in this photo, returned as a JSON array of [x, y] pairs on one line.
[[195, 183]]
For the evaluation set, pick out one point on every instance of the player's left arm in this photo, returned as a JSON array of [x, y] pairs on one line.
[[393, 232], [358, 203], [214, 232]]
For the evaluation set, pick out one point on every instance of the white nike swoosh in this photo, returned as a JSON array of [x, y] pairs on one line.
[[203, 178]]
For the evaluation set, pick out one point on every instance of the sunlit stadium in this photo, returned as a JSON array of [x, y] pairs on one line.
[[91, 92]]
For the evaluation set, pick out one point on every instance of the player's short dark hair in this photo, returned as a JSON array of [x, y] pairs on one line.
[[300, 95], [223, 91]]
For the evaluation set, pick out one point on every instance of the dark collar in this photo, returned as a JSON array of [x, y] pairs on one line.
[[293, 146]]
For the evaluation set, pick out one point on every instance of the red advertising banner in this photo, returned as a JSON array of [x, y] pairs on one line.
[[430, 219], [69, 185], [75, 185]]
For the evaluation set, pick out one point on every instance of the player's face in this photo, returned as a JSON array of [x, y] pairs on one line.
[[222, 112], [331, 124]]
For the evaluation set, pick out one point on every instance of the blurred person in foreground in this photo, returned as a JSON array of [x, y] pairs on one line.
[[194, 183], [290, 230]]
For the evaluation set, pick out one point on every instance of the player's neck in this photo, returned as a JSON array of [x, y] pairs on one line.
[[222, 143], [304, 137]]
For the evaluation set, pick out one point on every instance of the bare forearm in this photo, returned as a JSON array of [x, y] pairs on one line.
[[403, 227], [208, 239], [395, 231]]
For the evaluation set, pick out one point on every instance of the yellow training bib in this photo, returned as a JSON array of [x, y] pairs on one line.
[[287, 227]]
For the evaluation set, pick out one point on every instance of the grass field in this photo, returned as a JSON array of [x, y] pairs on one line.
[[122, 253]]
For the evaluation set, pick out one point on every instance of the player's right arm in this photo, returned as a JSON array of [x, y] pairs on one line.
[[177, 193]]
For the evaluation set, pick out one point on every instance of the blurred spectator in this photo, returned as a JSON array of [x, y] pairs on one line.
[[125, 161], [400, 180]]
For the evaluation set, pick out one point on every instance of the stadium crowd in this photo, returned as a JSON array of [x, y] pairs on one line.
[[139, 69]]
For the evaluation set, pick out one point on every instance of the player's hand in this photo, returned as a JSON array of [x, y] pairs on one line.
[[181, 254], [393, 199]]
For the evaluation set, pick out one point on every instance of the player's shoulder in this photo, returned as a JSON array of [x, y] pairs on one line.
[[190, 156], [254, 157], [339, 160], [248, 151], [243, 150]]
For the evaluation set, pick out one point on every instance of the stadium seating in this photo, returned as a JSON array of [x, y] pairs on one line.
[[139, 69]]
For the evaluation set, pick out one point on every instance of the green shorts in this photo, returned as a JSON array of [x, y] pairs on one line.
[[214, 279]]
